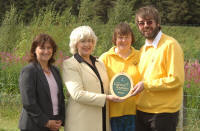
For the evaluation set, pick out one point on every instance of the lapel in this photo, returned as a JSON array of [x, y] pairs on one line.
[[84, 65], [98, 66], [89, 70], [43, 79]]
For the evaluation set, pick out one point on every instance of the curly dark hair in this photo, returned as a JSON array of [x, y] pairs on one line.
[[40, 40]]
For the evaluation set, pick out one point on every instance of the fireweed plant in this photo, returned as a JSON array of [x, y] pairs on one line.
[[10, 66]]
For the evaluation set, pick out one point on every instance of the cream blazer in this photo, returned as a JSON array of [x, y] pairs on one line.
[[84, 107]]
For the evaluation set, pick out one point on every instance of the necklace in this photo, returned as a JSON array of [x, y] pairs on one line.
[[47, 71]]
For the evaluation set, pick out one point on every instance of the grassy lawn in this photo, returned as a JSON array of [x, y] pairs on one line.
[[10, 108], [9, 112], [8, 124]]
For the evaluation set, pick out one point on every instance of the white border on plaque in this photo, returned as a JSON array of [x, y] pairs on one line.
[[122, 83]]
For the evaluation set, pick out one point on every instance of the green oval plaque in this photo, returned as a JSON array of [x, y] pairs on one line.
[[121, 85]]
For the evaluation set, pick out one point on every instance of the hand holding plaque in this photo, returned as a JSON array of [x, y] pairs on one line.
[[121, 85]]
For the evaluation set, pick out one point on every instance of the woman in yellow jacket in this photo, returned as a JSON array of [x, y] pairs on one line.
[[122, 58]]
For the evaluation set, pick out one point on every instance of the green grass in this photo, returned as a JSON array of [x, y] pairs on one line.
[[188, 37], [192, 108], [9, 112], [10, 108]]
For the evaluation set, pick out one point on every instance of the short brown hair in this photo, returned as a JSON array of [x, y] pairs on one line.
[[122, 29], [40, 40], [146, 12]]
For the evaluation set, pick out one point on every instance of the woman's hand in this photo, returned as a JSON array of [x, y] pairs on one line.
[[114, 98], [54, 125]]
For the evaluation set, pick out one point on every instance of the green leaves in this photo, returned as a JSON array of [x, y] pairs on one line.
[[121, 12]]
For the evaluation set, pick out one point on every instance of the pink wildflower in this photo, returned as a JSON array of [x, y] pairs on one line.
[[188, 85]]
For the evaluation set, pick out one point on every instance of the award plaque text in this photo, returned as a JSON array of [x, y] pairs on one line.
[[121, 85]]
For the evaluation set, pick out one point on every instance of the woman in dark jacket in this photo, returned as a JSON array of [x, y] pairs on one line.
[[41, 89]]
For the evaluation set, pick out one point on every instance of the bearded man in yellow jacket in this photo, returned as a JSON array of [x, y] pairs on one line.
[[162, 70]]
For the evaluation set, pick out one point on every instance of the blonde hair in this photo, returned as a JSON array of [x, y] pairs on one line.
[[81, 33]]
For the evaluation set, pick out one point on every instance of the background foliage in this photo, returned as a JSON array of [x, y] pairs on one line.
[[172, 11], [102, 15]]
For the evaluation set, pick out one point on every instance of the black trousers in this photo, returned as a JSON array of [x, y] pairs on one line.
[[156, 122]]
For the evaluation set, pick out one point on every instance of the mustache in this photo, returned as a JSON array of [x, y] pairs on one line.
[[146, 28]]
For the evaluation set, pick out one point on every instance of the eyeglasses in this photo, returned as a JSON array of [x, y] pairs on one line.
[[122, 38], [142, 23]]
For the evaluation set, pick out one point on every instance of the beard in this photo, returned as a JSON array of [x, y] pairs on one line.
[[150, 33]]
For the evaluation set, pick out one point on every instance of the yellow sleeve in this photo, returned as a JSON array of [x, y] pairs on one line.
[[102, 58], [174, 63]]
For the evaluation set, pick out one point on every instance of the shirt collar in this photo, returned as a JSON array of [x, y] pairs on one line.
[[80, 59], [155, 41], [112, 51]]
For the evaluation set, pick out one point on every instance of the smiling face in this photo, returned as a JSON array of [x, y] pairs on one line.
[[44, 52], [148, 27], [85, 47], [123, 42]]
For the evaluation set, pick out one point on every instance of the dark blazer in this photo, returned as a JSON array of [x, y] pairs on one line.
[[36, 99]]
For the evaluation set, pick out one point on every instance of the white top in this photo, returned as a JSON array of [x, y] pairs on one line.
[[155, 41]]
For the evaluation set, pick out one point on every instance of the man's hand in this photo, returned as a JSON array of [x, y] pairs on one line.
[[137, 88]]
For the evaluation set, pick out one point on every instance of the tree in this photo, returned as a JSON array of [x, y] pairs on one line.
[[10, 29], [87, 12], [4, 6], [122, 11], [102, 7], [175, 12], [194, 12]]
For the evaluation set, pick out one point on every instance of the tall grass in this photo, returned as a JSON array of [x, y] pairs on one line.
[[192, 96], [15, 35], [10, 106], [188, 37]]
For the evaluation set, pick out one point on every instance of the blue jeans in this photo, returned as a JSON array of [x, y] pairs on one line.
[[123, 123]]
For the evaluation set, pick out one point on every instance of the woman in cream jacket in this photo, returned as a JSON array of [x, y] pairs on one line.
[[87, 83]]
